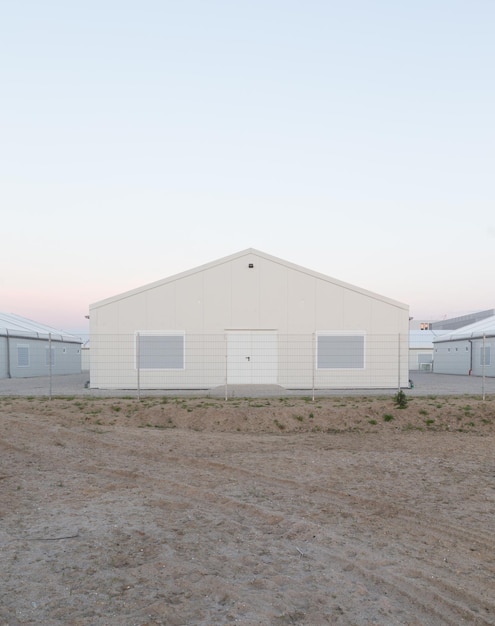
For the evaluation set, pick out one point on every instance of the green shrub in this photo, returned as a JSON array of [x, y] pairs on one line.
[[400, 399]]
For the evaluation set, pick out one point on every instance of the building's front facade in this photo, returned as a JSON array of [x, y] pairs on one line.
[[249, 318]]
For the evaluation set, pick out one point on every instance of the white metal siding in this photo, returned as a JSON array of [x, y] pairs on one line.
[[452, 357], [229, 294]]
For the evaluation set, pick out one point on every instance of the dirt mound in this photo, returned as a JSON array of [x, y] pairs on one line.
[[174, 511], [270, 415]]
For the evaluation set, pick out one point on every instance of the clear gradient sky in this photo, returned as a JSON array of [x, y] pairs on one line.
[[142, 139]]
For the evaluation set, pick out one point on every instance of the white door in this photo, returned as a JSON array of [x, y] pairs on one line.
[[252, 358]]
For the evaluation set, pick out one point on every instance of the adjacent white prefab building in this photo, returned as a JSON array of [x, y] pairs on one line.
[[421, 349], [249, 318], [467, 350], [29, 349]]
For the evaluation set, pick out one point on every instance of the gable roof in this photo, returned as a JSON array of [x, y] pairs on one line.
[[423, 339], [16, 326], [238, 255], [485, 327]]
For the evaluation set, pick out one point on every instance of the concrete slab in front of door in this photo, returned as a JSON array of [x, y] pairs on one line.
[[249, 391]]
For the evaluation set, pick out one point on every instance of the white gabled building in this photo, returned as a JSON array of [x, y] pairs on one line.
[[467, 350], [249, 318]]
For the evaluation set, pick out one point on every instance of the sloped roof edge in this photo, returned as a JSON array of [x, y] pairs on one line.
[[471, 331], [423, 339], [15, 325], [237, 255]]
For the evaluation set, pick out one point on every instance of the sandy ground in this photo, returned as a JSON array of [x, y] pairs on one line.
[[185, 511]]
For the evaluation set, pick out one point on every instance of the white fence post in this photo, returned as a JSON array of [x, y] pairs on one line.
[[483, 370], [398, 365], [313, 361], [50, 364], [226, 366], [138, 365]]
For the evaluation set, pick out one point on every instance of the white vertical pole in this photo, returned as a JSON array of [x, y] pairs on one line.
[[9, 363], [313, 361], [226, 366], [398, 355], [138, 365], [483, 370], [50, 364]]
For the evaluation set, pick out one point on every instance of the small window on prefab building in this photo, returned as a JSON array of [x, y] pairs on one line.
[[160, 351], [340, 351], [22, 356]]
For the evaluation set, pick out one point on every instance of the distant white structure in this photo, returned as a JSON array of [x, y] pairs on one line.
[[29, 349], [467, 350], [421, 349], [249, 318]]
